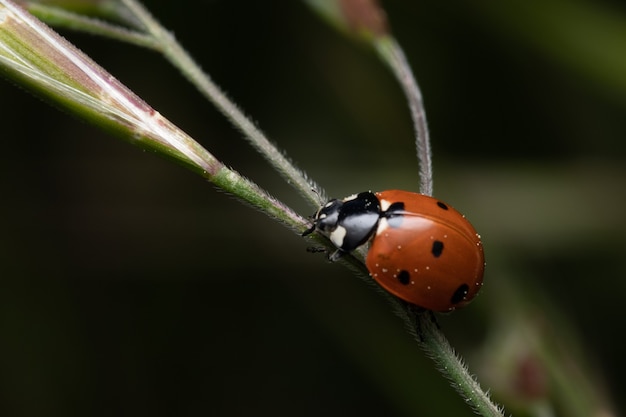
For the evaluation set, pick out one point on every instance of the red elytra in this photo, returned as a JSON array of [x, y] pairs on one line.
[[425, 252]]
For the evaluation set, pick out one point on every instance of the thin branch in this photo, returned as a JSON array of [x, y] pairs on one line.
[[175, 53], [394, 57], [437, 347], [37, 57], [58, 17]]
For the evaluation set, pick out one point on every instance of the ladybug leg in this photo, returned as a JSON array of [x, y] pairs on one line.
[[333, 257], [312, 249], [316, 249], [416, 313], [433, 318]]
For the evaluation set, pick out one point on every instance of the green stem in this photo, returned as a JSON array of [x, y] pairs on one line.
[[436, 346], [58, 17], [392, 54], [174, 52], [37, 57]]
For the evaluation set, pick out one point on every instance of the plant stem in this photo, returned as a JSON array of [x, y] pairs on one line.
[[56, 16], [37, 57], [437, 347], [392, 54], [175, 53]]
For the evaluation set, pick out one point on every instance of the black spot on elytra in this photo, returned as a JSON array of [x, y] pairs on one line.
[[442, 205], [437, 248], [394, 207], [459, 294], [404, 277]]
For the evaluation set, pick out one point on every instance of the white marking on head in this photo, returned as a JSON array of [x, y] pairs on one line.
[[350, 197], [337, 236]]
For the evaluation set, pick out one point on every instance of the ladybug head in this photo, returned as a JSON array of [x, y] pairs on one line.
[[327, 217]]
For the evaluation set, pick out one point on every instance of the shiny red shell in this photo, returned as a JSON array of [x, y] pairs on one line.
[[429, 255]]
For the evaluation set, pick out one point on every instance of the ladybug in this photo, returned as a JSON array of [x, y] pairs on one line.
[[420, 249]]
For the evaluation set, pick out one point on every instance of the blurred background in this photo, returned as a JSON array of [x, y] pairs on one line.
[[129, 286]]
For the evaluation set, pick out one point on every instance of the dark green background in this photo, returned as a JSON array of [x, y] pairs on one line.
[[129, 286]]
